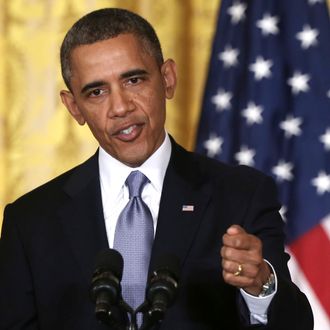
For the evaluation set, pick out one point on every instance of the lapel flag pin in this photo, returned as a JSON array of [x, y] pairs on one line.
[[187, 208]]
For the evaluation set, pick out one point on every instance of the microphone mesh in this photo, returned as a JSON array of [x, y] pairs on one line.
[[110, 260], [170, 263]]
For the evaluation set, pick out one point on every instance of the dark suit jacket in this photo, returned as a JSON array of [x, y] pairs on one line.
[[51, 236]]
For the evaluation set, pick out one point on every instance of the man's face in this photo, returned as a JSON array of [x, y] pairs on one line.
[[120, 92]]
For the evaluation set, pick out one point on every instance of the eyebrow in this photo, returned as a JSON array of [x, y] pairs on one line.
[[91, 85], [125, 75], [134, 72]]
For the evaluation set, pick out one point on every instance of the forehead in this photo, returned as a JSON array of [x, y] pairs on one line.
[[117, 51]]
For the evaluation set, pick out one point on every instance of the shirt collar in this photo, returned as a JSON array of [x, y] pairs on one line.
[[113, 173]]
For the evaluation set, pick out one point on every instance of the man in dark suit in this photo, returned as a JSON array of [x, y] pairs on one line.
[[221, 221]]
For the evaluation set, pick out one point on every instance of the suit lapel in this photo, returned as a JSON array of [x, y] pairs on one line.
[[184, 199], [82, 218], [83, 221]]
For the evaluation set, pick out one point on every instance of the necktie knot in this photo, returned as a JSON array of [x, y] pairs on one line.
[[135, 183]]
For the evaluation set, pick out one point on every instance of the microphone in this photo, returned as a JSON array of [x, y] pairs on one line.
[[106, 289], [162, 287]]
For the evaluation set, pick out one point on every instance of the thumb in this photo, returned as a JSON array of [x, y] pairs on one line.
[[235, 229]]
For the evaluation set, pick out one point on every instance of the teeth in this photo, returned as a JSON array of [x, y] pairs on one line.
[[127, 130]]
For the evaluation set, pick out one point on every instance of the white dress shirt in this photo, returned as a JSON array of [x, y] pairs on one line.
[[115, 196]]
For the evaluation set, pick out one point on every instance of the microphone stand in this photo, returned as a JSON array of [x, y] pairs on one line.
[[132, 313], [151, 317]]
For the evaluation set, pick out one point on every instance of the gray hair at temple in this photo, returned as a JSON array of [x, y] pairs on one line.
[[105, 24]]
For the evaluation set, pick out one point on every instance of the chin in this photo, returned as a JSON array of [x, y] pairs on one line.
[[134, 161], [138, 155]]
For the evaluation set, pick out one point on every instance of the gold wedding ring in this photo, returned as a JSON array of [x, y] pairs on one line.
[[239, 270]]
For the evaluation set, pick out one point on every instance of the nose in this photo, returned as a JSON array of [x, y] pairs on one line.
[[121, 103]]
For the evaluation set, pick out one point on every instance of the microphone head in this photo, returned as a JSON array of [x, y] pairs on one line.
[[168, 263], [110, 260], [162, 287], [105, 288]]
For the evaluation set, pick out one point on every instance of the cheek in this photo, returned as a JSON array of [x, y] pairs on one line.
[[96, 122], [153, 106], [158, 113]]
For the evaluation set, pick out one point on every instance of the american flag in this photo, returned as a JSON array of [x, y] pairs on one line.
[[188, 208], [267, 105]]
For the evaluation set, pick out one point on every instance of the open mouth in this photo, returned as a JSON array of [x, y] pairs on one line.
[[129, 133], [128, 130]]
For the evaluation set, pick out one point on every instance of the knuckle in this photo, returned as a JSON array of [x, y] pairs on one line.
[[223, 252], [226, 276], [229, 253], [238, 242]]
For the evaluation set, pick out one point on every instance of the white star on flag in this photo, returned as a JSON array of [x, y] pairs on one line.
[[229, 56], [322, 183], [313, 2], [328, 93], [299, 82], [283, 211], [307, 37], [325, 139], [261, 68], [268, 24], [283, 171], [237, 12], [245, 156], [222, 100], [213, 145], [291, 126], [253, 113]]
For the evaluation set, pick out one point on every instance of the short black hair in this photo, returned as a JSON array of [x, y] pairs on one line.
[[105, 24]]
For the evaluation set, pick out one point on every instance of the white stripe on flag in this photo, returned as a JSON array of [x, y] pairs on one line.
[[321, 320]]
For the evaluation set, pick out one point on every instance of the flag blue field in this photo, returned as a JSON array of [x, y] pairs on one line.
[[267, 105]]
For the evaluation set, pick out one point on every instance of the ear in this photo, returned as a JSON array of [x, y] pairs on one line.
[[168, 71], [70, 103]]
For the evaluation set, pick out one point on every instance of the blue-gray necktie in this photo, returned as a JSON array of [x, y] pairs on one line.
[[134, 236]]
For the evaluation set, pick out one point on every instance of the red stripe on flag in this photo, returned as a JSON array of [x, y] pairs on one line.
[[312, 252]]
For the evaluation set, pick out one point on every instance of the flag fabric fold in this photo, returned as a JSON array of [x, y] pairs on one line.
[[267, 105]]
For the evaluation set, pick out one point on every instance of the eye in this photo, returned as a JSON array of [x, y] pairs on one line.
[[134, 80], [96, 92]]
